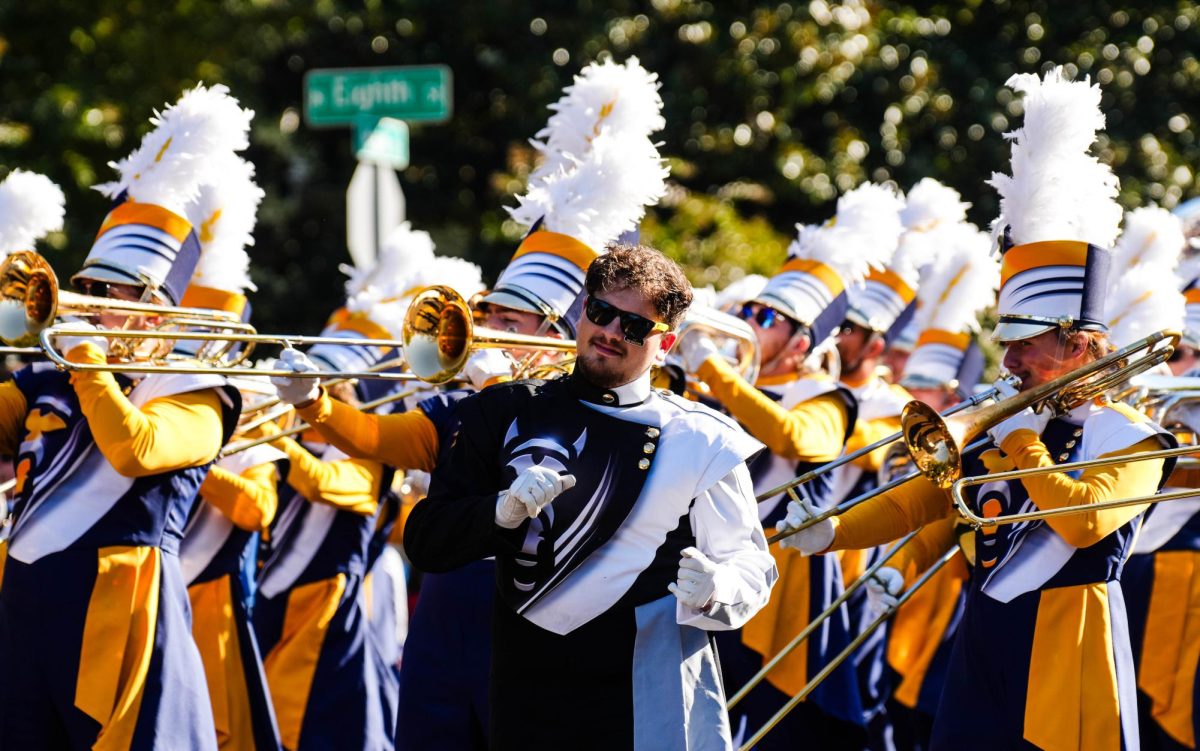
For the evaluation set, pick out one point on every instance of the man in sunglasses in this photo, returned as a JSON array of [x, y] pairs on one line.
[[623, 525]]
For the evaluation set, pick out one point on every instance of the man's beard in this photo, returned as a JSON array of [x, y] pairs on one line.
[[596, 373]]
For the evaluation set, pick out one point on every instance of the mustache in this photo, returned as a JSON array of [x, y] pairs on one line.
[[609, 342]]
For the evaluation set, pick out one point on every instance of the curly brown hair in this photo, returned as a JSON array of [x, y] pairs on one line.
[[646, 270]]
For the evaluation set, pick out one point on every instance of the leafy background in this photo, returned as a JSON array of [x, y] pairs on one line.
[[772, 109]]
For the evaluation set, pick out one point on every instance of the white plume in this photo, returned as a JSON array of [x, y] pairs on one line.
[[861, 236], [962, 283], [740, 291], [224, 215], [605, 96], [930, 205], [406, 264], [1138, 305], [180, 154], [1151, 235], [1058, 190], [602, 196], [31, 205]]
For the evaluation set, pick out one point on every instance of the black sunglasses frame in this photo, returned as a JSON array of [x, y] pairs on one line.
[[634, 327]]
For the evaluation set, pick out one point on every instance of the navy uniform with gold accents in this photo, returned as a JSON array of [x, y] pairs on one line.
[[583, 620]]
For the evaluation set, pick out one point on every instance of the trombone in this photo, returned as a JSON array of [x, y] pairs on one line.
[[858, 641], [937, 445], [440, 334]]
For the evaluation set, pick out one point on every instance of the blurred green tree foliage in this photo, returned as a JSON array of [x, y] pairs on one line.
[[772, 109]]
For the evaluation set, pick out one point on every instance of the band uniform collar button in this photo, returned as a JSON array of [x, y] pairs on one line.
[[607, 397], [652, 432]]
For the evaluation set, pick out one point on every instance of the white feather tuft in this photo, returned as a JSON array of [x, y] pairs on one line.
[[1138, 305], [604, 195], [962, 283], [1151, 235], [1058, 190], [930, 205], [183, 150], [31, 205], [863, 234], [605, 97], [223, 216], [406, 264]]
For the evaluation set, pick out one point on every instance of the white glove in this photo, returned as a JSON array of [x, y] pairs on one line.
[[1026, 419], [485, 364], [696, 580], [695, 349], [883, 590], [808, 541], [296, 390], [66, 343], [533, 489]]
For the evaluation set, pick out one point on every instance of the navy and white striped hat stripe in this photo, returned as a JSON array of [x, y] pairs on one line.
[[556, 282], [142, 236], [877, 302], [797, 292], [936, 361]]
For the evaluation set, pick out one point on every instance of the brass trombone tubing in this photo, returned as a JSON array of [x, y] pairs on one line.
[[974, 401], [846, 594], [845, 506], [385, 364], [976, 521], [137, 367], [850, 649], [300, 427]]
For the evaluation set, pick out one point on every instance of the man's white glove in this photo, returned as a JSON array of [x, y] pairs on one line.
[[695, 349], [533, 489], [485, 364], [1026, 419], [296, 390], [68, 342], [696, 580], [810, 540], [883, 590]]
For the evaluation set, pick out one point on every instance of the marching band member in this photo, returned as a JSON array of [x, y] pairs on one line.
[[1158, 578], [600, 498], [942, 370], [95, 643], [220, 544], [1042, 657], [880, 307], [804, 417], [599, 173], [330, 668]]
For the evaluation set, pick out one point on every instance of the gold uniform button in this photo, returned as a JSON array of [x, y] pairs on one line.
[[608, 398], [644, 464], [648, 448], [652, 432]]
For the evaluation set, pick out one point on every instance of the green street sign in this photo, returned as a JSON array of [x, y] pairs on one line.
[[382, 140], [339, 96]]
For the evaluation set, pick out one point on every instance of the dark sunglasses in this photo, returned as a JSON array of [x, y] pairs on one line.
[[635, 327], [97, 288], [765, 317]]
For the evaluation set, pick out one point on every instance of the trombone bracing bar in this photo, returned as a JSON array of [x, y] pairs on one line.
[[964, 510], [850, 649], [846, 594]]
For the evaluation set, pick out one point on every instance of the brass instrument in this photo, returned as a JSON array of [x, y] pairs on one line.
[[977, 521], [845, 654], [734, 338], [300, 427], [440, 334], [934, 443]]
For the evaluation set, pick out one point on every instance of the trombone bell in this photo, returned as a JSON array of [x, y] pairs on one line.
[[28, 298], [933, 442], [437, 334]]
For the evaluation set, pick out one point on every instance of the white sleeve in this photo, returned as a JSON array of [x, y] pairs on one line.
[[727, 530]]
